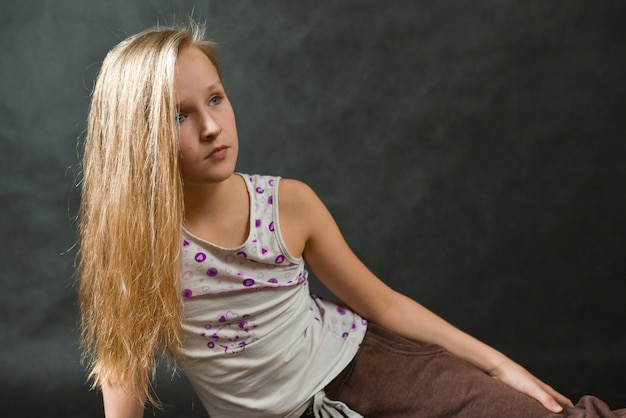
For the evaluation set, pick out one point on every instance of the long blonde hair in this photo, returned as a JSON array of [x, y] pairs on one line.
[[131, 211]]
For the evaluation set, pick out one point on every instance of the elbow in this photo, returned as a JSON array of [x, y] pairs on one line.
[[381, 312]]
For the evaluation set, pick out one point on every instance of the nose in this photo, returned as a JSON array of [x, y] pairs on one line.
[[210, 128]]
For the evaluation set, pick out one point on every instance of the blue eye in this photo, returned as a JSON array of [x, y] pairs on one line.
[[215, 100], [180, 118]]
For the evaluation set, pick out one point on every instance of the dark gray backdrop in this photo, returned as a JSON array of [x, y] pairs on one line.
[[472, 153]]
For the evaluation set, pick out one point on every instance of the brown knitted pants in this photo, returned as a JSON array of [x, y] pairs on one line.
[[392, 377]]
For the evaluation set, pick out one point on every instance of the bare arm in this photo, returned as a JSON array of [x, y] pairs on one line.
[[332, 261], [118, 404]]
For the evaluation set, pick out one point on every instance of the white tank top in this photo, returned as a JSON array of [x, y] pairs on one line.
[[257, 343]]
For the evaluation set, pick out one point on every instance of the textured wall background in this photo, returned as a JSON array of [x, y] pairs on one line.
[[472, 152]]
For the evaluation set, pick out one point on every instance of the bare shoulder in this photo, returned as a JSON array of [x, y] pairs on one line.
[[299, 197], [295, 192], [297, 206]]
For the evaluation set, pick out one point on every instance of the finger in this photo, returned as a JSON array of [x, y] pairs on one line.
[[563, 400], [534, 389], [546, 400]]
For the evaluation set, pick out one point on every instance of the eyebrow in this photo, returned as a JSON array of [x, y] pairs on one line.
[[214, 86]]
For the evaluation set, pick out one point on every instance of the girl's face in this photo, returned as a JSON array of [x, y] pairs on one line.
[[206, 122]]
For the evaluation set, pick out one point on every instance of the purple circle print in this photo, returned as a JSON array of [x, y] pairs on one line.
[[187, 293], [248, 282], [212, 272], [200, 257]]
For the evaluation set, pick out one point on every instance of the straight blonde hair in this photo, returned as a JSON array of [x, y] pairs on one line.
[[131, 211]]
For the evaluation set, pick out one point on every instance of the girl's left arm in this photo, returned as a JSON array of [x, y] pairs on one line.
[[338, 268]]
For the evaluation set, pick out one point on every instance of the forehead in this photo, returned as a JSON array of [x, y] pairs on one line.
[[193, 69]]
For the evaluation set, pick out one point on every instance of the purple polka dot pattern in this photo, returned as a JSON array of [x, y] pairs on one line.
[[231, 333], [235, 301], [301, 278], [260, 264], [200, 257]]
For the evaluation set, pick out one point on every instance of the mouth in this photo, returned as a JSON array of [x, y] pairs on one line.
[[218, 153]]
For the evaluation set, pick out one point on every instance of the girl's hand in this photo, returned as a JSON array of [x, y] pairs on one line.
[[520, 379]]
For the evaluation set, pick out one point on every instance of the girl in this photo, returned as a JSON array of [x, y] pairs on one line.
[[180, 254]]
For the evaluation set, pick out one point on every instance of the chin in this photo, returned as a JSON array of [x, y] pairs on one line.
[[221, 176]]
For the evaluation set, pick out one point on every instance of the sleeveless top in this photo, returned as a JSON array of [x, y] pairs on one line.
[[256, 342]]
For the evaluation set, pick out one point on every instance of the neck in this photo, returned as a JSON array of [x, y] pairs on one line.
[[218, 212], [209, 199]]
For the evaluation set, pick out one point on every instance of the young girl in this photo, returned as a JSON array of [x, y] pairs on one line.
[[182, 255]]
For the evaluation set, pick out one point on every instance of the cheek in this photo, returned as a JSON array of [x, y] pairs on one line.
[[185, 148], [185, 156], [185, 151], [184, 164], [182, 138]]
